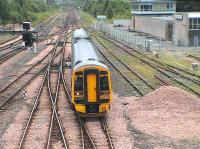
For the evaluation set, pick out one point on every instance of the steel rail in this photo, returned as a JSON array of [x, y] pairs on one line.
[[163, 82], [83, 126], [3, 48], [105, 127], [195, 57], [36, 102], [107, 37], [123, 75], [133, 71], [20, 88], [10, 54], [54, 102], [166, 69], [156, 61], [8, 85], [54, 55], [33, 110]]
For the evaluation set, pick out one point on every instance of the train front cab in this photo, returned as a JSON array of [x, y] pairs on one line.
[[91, 91]]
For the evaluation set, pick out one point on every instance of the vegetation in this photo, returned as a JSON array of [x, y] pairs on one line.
[[16, 11], [188, 6], [87, 18], [110, 8]]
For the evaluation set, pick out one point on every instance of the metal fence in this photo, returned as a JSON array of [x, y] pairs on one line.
[[139, 40]]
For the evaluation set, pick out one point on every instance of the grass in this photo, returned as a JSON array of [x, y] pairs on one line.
[[40, 17], [142, 69], [6, 38], [87, 18], [179, 58]]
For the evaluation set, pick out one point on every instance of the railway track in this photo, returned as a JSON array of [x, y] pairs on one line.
[[163, 81], [10, 45], [122, 44], [5, 57], [181, 71], [11, 89], [138, 81], [188, 82], [56, 131], [195, 57], [51, 89], [42, 29]]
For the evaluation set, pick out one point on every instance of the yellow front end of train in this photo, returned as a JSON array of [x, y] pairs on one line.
[[91, 90]]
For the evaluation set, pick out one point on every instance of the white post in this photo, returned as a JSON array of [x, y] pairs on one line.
[[23, 44], [35, 50], [160, 44]]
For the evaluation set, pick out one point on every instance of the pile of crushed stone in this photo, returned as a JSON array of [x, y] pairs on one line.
[[168, 111]]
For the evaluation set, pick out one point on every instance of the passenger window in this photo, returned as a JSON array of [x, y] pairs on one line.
[[78, 84], [104, 86]]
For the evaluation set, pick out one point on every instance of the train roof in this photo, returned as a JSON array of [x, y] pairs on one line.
[[84, 53], [80, 33]]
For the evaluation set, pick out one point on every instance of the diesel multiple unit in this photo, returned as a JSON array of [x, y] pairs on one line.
[[91, 80]]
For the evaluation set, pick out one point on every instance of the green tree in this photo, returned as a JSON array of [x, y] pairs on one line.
[[111, 8], [4, 10]]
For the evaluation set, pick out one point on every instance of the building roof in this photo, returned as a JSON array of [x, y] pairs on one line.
[[194, 15], [164, 18], [152, 13], [153, 0]]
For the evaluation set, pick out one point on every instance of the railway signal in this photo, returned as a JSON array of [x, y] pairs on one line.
[[27, 35]]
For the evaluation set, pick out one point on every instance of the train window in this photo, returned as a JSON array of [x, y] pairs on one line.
[[78, 84], [78, 62], [103, 73], [104, 86], [79, 73]]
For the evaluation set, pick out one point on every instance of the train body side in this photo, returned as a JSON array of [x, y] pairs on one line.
[[91, 79]]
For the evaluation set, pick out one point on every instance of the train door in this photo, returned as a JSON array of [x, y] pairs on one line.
[[91, 90], [92, 87]]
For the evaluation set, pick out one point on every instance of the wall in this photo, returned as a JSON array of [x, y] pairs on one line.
[[152, 25], [181, 30], [124, 22]]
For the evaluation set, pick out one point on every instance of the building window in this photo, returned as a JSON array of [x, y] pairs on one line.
[[198, 27], [146, 7], [136, 8], [190, 23], [169, 6], [194, 23]]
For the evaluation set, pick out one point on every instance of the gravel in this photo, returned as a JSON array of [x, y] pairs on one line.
[[15, 117], [118, 125], [16, 64], [167, 117]]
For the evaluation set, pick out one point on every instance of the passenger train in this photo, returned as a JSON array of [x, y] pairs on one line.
[[91, 78]]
